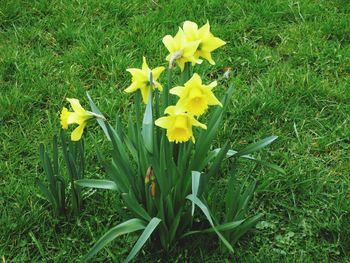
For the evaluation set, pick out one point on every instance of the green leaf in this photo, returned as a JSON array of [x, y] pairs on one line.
[[195, 185], [126, 227], [264, 163], [224, 227], [247, 225], [143, 238], [100, 121], [46, 193], [257, 146], [97, 183], [147, 125], [133, 205], [206, 212]]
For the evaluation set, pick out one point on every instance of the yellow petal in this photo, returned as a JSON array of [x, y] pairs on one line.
[[194, 81], [194, 122], [156, 72], [168, 42], [178, 91], [78, 132], [212, 100], [190, 29], [208, 57], [138, 74], [76, 106], [145, 67], [212, 43], [212, 85], [164, 122], [145, 92], [170, 110], [133, 87], [204, 31]]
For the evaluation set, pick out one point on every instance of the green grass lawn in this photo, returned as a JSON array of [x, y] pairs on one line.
[[291, 65]]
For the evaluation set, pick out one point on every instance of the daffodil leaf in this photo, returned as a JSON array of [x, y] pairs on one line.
[[126, 227], [143, 238], [195, 185], [257, 146], [206, 212], [97, 183]]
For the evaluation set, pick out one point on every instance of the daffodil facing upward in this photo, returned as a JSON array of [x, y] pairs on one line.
[[195, 97], [207, 42], [180, 49], [143, 78], [79, 116], [178, 124]]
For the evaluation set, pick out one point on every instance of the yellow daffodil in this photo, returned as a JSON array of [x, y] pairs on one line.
[[79, 116], [141, 79], [178, 124], [180, 49], [195, 96], [208, 42]]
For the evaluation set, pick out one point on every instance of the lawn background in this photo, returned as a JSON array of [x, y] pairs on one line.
[[291, 66]]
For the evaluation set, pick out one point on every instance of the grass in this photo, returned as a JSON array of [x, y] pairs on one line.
[[291, 64]]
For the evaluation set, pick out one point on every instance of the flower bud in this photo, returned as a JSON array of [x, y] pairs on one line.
[[149, 173]]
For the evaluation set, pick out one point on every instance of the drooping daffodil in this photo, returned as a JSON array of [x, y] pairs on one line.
[[178, 124], [195, 97], [207, 41], [79, 116], [180, 49], [143, 78]]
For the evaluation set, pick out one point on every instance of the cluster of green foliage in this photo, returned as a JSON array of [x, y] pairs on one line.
[[290, 62]]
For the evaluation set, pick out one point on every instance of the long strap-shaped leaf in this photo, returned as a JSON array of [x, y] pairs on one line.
[[257, 146], [143, 238], [224, 227], [97, 183], [129, 226], [206, 212], [195, 185]]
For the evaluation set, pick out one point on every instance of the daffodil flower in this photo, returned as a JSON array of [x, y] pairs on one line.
[[180, 49], [178, 124], [142, 78], [195, 97], [207, 41], [79, 116]]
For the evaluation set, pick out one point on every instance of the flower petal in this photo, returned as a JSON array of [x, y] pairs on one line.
[[145, 67], [190, 29], [133, 87], [168, 42], [164, 122], [194, 122], [156, 72], [76, 106], [78, 132], [178, 91]]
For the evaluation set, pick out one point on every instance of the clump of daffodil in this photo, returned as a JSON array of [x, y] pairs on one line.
[[79, 116], [207, 41], [195, 97], [180, 49], [178, 124], [142, 78]]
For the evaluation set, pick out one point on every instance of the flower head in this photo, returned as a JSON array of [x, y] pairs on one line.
[[195, 96], [79, 116], [180, 49], [178, 124], [207, 41], [142, 78]]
